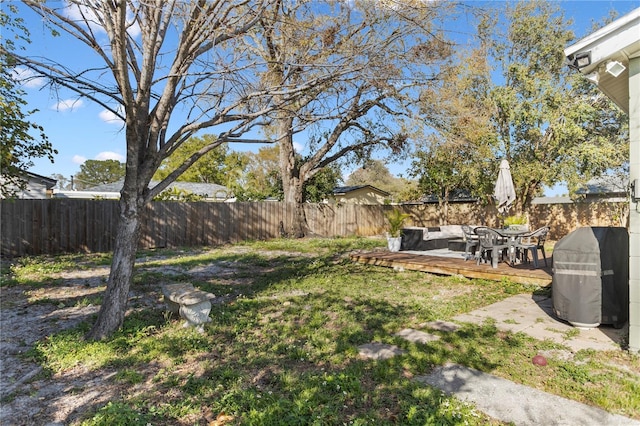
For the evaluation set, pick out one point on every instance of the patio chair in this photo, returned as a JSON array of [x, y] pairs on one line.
[[471, 242], [490, 244], [532, 242]]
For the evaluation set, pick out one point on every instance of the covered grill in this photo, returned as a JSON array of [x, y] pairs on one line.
[[590, 284]]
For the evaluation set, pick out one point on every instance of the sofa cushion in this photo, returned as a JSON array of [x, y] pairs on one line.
[[452, 231], [443, 232]]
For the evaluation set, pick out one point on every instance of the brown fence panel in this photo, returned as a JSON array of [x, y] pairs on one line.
[[62, 235], [30, 240], [323, 219], [8, 232], [10, 227], [223, 224], [33, 238], [69, 225], [233, 221]]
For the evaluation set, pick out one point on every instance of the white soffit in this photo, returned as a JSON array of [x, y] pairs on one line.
[[617, 41]]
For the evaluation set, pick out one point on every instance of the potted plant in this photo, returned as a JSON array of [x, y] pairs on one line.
[[516, 221], [396, 220]]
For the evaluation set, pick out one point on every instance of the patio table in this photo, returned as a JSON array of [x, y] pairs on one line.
[[511, 236], [511, 232]]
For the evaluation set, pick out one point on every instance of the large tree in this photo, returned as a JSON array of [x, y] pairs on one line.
[[549, 123], [455, 153], [221, 166], [513, 97], [260, 178], [448, 167], [63, 182], [360, 63], [376, 173], [320, 187], [98, 172], [18, 145], [168, 70]]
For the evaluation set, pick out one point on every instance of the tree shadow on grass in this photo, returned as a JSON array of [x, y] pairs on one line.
[[288, 358]]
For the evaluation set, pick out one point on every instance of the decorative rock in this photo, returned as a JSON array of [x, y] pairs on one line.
[[376, 350], [442, 326], [191, 304], [539, 360], [416, 336]]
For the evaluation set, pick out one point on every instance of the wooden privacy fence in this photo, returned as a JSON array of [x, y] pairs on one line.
[[54, 226], [71, 225]]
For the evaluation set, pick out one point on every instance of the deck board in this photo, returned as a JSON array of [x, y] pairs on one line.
[[523, 274]]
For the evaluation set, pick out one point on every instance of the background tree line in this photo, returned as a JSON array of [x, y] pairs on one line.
[[250, 176], [476, 122]]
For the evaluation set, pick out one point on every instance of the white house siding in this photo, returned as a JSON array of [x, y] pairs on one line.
[[361, 197], [35, 188], [634, 215]]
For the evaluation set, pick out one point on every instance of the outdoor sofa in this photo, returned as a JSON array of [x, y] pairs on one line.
[[432, 237]]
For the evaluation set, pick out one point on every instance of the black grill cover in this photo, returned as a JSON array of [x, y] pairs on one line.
[[590, 284]]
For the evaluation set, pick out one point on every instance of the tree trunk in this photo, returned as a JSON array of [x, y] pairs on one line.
[[301, 227], [116, 296], [293, 194], [443, 208], [292, 182]]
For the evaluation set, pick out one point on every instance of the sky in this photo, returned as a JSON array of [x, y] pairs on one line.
[[82, 131]]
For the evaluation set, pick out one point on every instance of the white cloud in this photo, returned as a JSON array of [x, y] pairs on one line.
[[79, 159], [134, 29], [298, 147], [27, 78], [109, 117], [77, 12], [81, 13], [110, 155], [101, 156], [68, 104]]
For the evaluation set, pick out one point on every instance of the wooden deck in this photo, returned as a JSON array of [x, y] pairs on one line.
[[523, 274]]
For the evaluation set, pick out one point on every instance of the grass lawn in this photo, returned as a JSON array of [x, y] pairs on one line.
[[281, 348]]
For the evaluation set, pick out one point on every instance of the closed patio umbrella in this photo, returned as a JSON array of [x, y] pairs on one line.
[[504, 190]]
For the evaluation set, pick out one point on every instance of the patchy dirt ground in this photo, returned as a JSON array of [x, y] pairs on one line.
[[28, 395]]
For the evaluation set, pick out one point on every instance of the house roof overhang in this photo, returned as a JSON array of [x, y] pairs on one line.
[[618, 41], [46, 181], [343, 190]]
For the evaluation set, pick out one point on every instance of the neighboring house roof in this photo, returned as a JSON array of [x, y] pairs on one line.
[[107, 187], [30, 177], [605, 185], [36, 186], [207, 190], [46, 181], [552, 200], [613, 188], [455, 196], [344, 190]]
